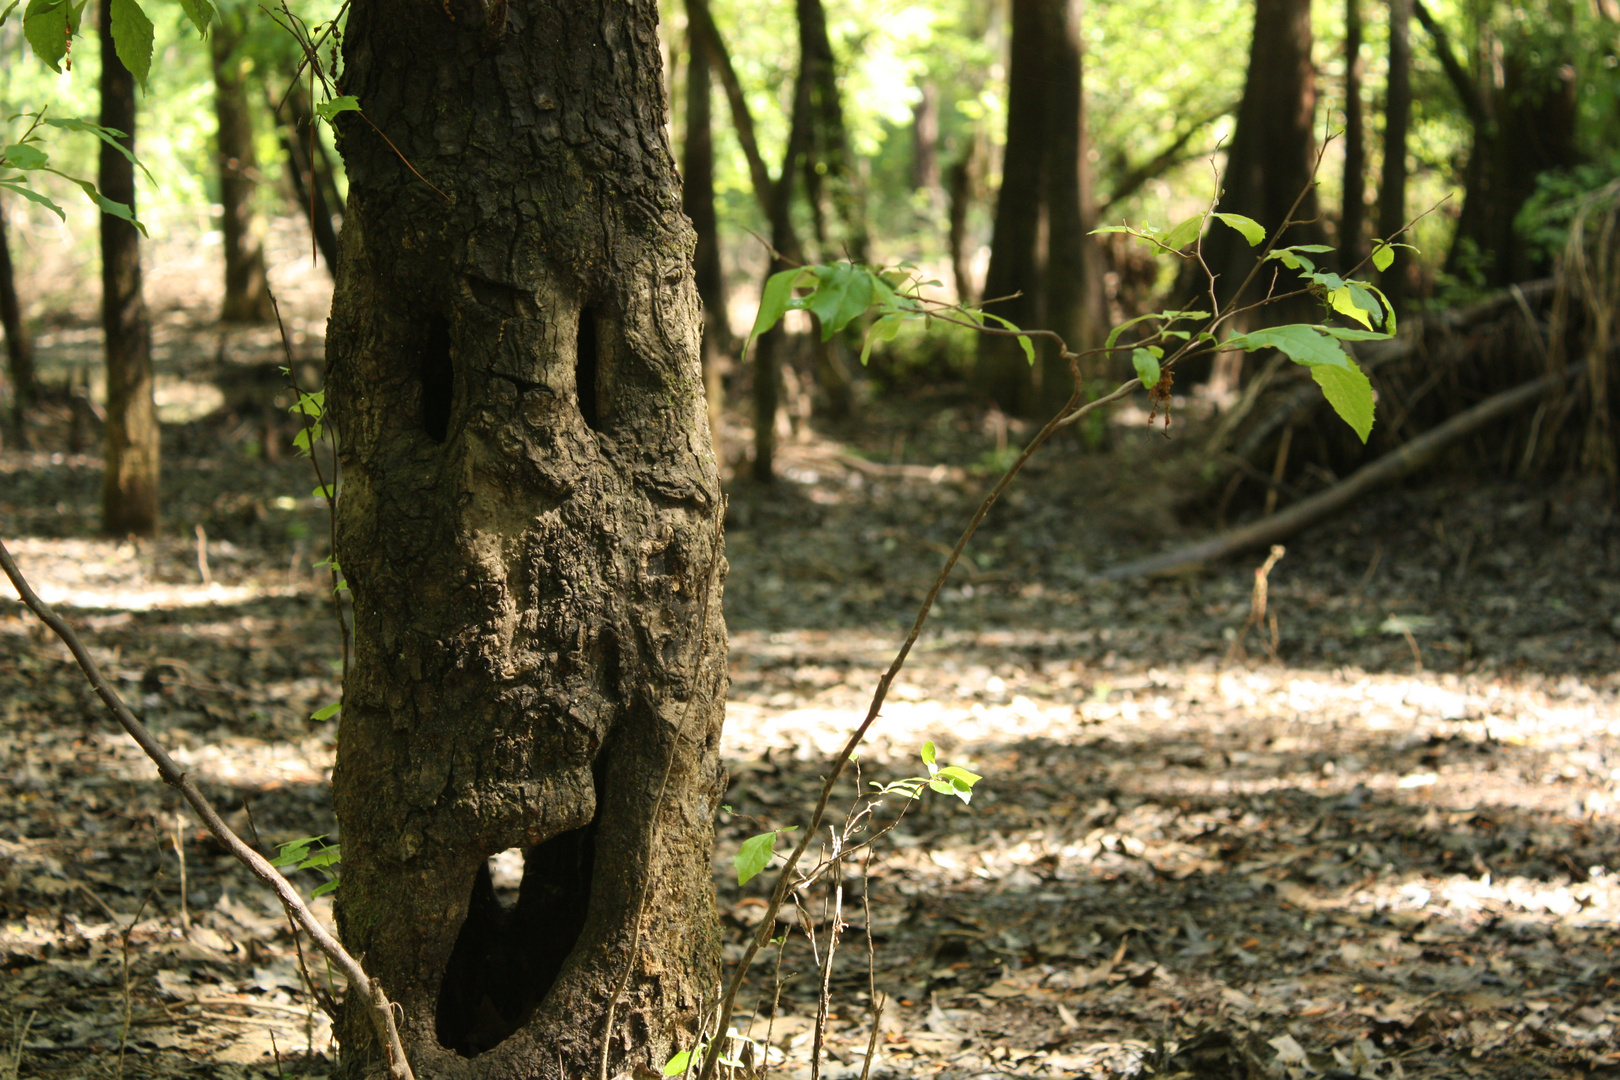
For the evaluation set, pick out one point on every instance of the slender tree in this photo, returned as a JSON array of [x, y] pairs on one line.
[[129, 491], [19, 348], [1353, 215], [310, 172], [1043, 270], [1397, 118], [1273, 153], [697, 199], [529, 521], [247, 289]]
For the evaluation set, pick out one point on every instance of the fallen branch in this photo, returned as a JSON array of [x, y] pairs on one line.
[[1392, 466], [379, 1007]]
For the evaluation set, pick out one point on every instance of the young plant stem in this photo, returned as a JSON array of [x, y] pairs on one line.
[[380, 1008]]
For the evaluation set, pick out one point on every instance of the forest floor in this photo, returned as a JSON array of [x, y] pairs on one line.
[[1376, 837]]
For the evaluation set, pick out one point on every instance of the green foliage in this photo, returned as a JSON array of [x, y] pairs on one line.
[[299, 855], [755, 854], [27, 156], [326, 712]]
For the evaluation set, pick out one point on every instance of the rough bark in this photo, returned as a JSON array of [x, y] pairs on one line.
[[1397, 119], [697, 199], [1273, 150], [310, 172], [1041, 250], [19, 348], [1353, 214], [529, 522], [129, 488], [247, 289]]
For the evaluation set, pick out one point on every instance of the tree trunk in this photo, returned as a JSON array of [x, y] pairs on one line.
[[925, 142], [529, 521], [697, 199], [829, 160], [19, 349], [1041, 250], [129, 488], [1272, 156], [965, 178], [247, 290], [1397, 117], [310, 173], [1353, 213]]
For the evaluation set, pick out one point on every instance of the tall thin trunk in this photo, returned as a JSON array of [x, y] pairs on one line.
[[1273, 152], [1041, 250], [311, 173], [529, 522], [964, 183], [697, 199], [19, 349], [1353, 215], [925, 141], [829, 162], [247, 288], [1397, 117], [769, 348], [129, 490]]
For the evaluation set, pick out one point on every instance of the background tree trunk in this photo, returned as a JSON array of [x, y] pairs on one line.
[[1273, 150], [129, 488], [1040, 249], [925, 142], [310, 171], [1353, 213], [19, 348], [697, 199], [1397, 117], [247, 290], [529, 521]]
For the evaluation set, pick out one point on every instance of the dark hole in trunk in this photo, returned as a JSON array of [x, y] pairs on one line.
[[585, 368], [506, 958], [438, 380]]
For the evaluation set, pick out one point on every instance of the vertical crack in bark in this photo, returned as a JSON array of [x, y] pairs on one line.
[[438, 376], [585, 368], [507, 957]]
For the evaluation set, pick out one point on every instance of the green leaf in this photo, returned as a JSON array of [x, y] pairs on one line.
[[1147, 367], [326, 712], [844, 291], [676, 1065], [323, 888], [1302, 344], [200, 12], [311, 405], [323, 492], [1024, 341], [108, 135], [1383, 256], [1346, 333], [25, 156], [884, 329], [294, 851], [754, 855], [329, 855], [343, 104], [1184, 234], [1366, 300], [1340, 300], [1350, 393], [4, 15], [958, 775], [1251, 229], [48, 25], [108, 206], [33, 196], [774, 300], [928, 756], [132, 37]]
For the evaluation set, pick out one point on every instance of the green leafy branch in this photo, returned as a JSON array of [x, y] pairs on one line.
[[27, 156], [311, 853]]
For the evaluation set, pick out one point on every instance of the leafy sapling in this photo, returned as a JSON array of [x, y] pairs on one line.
[[298, 855]]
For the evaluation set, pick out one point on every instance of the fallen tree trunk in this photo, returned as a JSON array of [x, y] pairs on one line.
[[1392, 466]]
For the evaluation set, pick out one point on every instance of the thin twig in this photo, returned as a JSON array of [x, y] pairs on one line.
[[380, 1009]]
